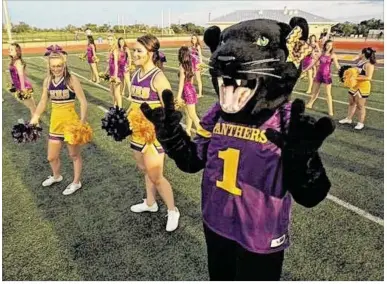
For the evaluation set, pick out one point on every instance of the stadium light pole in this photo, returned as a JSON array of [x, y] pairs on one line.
[[162, 22], [7, 22]]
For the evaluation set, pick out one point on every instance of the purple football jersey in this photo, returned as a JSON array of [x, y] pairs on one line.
[[242, 196]]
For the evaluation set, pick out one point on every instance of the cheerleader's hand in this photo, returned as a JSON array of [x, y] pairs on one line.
[[34, 121]]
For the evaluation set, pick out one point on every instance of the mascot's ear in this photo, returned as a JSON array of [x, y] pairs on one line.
[[212, 37], [303, 24]]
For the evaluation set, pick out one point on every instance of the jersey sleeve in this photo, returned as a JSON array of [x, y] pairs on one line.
[[203, 137]]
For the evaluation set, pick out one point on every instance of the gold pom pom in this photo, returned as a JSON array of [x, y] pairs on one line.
[[179, 105], [24, 95], [141, 126], [77, 133], [104, 76], [114, 80], [350, 77], [82, 56], [95, 59]]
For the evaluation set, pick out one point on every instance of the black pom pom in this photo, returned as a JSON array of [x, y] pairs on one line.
[[116, 123], [24, 133]]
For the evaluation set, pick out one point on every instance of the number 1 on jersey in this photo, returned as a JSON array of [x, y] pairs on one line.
[[230, 171]]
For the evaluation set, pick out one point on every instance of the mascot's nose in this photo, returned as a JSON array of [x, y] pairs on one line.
[[226, 64]]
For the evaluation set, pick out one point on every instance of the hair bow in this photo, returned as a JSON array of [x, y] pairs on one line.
[[298, 49], [54, 49]]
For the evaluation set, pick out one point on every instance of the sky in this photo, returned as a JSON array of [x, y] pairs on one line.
[[55, 14]]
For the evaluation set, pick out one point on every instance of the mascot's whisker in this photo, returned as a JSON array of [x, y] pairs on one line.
[[261, 69], [259, 73], [260, 61]]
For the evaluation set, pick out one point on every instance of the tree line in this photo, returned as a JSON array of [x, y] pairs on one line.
[[348, 28], [344, 29], [187, 28]]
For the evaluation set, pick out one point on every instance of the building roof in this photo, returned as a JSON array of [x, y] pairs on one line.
[[278, 15]]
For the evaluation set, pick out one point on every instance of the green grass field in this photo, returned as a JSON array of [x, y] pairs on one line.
[[92, 235]]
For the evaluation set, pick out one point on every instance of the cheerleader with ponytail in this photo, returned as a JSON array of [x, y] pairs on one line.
[[21, 86], [358, 80], [65, 126]]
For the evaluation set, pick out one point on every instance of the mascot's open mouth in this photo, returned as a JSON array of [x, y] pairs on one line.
[[235, 93]]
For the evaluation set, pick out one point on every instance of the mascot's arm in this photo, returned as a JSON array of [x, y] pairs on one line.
[[303, 173], [189, 156]]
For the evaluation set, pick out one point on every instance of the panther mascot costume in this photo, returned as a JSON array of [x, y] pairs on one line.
[[259, 150]]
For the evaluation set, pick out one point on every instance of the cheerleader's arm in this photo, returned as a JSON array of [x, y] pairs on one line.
[[200, 54], [93, 50], [181, 83], [76, 86], [42, 103], [336, 61], [161, 83], [129, 57], [314, 61], [370, 68], [115, 54], [20, 72]]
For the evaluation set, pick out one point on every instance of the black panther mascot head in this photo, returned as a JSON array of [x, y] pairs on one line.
[[255, 65]]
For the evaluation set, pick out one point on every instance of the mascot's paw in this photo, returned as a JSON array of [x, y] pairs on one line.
[[305, 135], [303, 172], [166, 120]]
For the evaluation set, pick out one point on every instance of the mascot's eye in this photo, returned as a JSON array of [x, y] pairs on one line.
[[262, 41]]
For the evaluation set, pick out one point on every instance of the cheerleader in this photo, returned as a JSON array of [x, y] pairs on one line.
[[124, 63], [148, 83], [186, 92], [62, 88], [324, 76], [20, 82], [360, 92], [116, 75], [92, 59], [308, 61], [196, 53]]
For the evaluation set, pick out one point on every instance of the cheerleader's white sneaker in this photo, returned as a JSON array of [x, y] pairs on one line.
[[71, 188], [345, 121], [143, 207], [173, 219], [359, 126], [51, 180]]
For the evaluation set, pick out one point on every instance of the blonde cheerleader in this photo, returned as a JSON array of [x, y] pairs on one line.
[[124, 63], [65, 126], [116, 77]]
